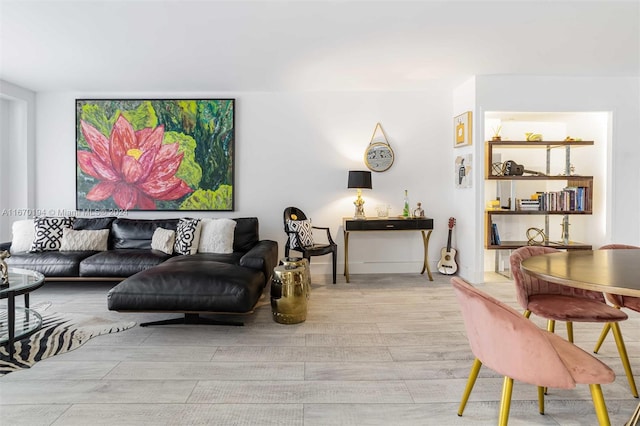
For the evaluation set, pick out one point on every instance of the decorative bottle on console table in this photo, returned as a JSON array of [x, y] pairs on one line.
[[419, 211], [406, 212]]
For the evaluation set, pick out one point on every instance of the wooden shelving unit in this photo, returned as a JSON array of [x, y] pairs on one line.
[[571, 181]]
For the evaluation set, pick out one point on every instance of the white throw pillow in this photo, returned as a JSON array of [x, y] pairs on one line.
[[24, 232], [217, 236], [187, 236], [163, 240], [84, 240]]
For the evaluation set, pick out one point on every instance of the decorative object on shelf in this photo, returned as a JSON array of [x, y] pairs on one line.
[[462, 130], [533, 137], [572, 171], [496, 133], [359, 179], [4, 269], [565, 230], [383, 210], [419, 211], [379, 156], [496, 169], [493, 205], [405, 210], [535, 236], [155, 154], [511, 168], [447, 264], [463, 171]]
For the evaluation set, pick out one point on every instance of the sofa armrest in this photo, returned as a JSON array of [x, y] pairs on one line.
[[5, 246], [263, 256]]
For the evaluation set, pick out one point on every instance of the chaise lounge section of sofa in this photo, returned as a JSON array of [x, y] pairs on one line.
[[153, 281]]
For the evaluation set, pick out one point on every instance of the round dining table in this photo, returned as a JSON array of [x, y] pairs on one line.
[[609, 271]]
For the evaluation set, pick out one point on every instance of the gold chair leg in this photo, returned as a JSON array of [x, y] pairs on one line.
[[505, 402], [526, 313], [599, 405], [622, 350], [635, 418], [541, 391], [570, 331], [551, 326], [603, 335], [473, 375]]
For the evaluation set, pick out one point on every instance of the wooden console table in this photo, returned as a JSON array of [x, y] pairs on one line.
[[424, 225]]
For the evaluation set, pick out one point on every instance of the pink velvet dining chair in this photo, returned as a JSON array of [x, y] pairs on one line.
[[618, 301], [511, 345], [556, 302]]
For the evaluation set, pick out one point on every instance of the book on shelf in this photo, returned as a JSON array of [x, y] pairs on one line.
[[495, 236], [528, 204], [569, 199]]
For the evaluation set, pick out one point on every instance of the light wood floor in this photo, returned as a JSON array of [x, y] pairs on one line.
[[381, 350]]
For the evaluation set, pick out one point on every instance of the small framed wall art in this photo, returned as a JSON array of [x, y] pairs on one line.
[[462, 171], [462, 130]]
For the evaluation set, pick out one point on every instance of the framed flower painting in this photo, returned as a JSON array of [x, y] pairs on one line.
[[155, 154]]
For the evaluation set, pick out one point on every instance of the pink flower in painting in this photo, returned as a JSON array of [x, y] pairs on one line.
[[133, 167]]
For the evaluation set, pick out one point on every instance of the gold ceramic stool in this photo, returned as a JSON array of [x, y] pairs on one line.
[[300, 262], [288, 294]]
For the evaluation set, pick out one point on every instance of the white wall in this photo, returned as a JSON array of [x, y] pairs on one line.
[[296, 149], [17, 158], [5, 223], [464, 209]]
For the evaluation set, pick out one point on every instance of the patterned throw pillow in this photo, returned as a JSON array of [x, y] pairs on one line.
[[187, 236], [84, 240], [304, 231], [163, 240], [217, 236], [48, 233]]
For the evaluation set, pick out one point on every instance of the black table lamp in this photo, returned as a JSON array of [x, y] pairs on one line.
[[359, 179]]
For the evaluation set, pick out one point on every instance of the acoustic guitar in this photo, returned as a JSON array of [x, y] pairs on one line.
[[447, 264]]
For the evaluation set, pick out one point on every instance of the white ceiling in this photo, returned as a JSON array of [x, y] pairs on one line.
[[230, 46]]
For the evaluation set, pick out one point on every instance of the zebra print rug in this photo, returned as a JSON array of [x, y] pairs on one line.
[[60, 333]]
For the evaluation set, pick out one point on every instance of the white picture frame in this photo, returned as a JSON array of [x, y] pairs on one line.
[[463, 171]]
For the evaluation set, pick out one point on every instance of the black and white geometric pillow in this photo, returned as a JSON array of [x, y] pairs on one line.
[[304, 232], [48, 232], [187, 236]]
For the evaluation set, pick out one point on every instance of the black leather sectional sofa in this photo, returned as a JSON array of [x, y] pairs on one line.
[[152, 281]]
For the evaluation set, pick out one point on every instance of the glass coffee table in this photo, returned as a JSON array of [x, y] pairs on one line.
[[18, 322]]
